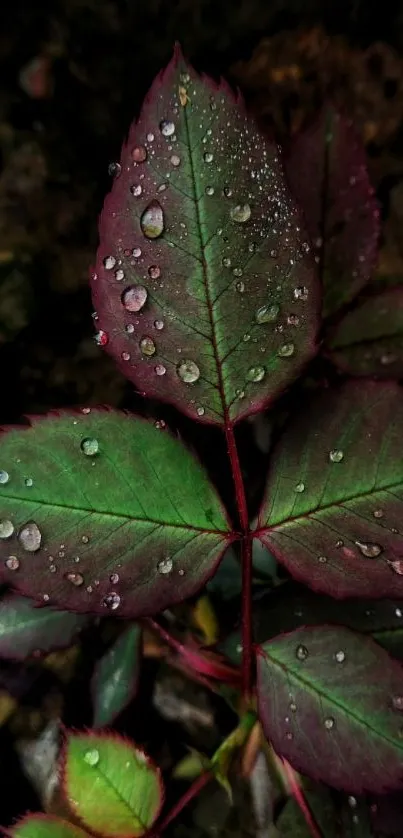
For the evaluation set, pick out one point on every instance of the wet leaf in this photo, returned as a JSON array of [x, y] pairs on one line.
[[327, 172], [111, 785], [43, 826], [369, 339], [331, 703], [114, 516], [115, 679], [333, 507], [335, 818], [25, 627], [204, 285]]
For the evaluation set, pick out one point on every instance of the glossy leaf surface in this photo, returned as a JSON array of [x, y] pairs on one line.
[[327, 174], [26, 628], [104, 513], [115, 678], [204, 285], [43, 826], [331, 702], [369, 339], [111, 785], [333, 507]]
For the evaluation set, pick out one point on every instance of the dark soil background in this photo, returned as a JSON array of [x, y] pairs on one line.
[[73, 75]]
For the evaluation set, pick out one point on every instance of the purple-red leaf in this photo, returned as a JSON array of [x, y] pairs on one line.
[[327, 174], [102, 512], [369, 339], [26, 627], [204, 286], [333, 507], [331, 702]]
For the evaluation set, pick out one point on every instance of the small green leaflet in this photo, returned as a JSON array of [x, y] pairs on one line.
[[102, 512], [115, 677], [25, 627], [44, 826], [111, 785]]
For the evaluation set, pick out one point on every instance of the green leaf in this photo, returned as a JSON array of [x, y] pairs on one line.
[[369, 339], [25, 627], [223, 757], [111, 785], [115, 678], [205, 287], [331, 703], [104, 512], [43, 826], [333, 505]]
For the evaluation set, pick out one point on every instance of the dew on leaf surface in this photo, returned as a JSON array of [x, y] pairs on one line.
[[336, 455], [12, 563], [109, 262], [92, 757], [152, 220], [369, 549], [378, 513], [101, 338], [175, 160], [30, 537], [352, 801], [28, 482], [397, 702], [154, 271], [4, 477], [125, 356], [147, 346], [322, 559], [329, 723], [210, 190], [111, 601], [76, 579], [114, 169], [6, 528], [226, 262], [240, 287], [300, 487], [165, 566], [114, 578], [167, 127], [158, 324], [129, 328], [301, 293], [293, 707], [207, 157], [139, 154], [267, 314], [200, 411], [286, 350], [136, 252], [136, 190], [160, 369], [256, 374], [302, 653], [240, 213], [89, 446], [340, 656], [188, 371]]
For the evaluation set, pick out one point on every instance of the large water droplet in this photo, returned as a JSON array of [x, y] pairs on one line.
[[4, 477], [147, 346], [286, 350], [92, 757], [76, 579], [302, 653], [188, 371], [336, 455], [12, 563], [267, 314], [89, 446], [165, 566], [256, 373], [240, 213], [139, 154], [167, 127], [340, 656], [109, 262], [111, 601], [134, 297], [6, 528], [30, 537], [154, 271], [369, 549], [101, 338], [152, 221]]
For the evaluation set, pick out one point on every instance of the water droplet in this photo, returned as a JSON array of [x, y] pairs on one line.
[[91, 757], [28, 482], [369, 549], [300, 487], [111, 601], [134, 298], [292, 320], [340, 656], [159, 324], [165, 566], [267, 314], [129, 328], [378, 513], [289, 735], [227, 191], [152, 221], [209, 190], [85, 539], [188, 371], [101, 338], [136, 190], [286, 350], [154, 271], [12, 563], [136, 252], [208, 157], [30, 537], [167, 127], [139, 154], [200, 411], [240, 213], [6, 528], [302, 653], [256, 373], [322, 559], [175, 160], [397, 566], [240, 287], [109, 262], [293, 707], [398, 612], [125, 356], [160, 369], [76, 579], [147, 346], [301, 293], [339, 543], [89, 446], [114, 578], [329, 723], [397, 702], [336, 455], [4, 477], [150, 137], [226, 262]]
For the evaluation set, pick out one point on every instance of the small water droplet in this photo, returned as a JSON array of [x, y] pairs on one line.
[[109, 263], [12, 563], [92, 757], [286, 350], [329, 723], [125, 356], [188, 371], [322, 559], [208, 157], [111, 601], [226, 262], [152, 220], [6, 528], [301, 293], [227, 191], [397, 702], [114, 578], [30, 537], [300, 487], [150, 137], [76, 579], [114, 169], [139, 154], [369, 549], [336, 455], [129, 328], [89, 446], [28, 482], [134, 298], [293, 707], [167, 127], [340, 656], [147, 346], [136, 190], [267, 314], [154, 271], [352, 801], [136, 252], [292, 320], [85, 539], [256, 373], [4, 477], [209, 190], [200, 411], [397, 566], [101, 338], [240, 287], [398, 612], [289, 735], [302, 653], [159, 324], [175, 160], [165, 565], [339, 543], [160, 369], [378, 513], [240, 213]]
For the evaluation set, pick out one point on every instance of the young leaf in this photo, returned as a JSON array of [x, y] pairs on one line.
[[111, 785], [327, 174], [104, 512], [331, 703], [43, 826], [115, 678], [369, 339], [204, 286], [333, 507], [25, 627]]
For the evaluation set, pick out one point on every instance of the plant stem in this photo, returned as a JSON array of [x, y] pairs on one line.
[[299, 797], [186, 798], [246, 558]]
